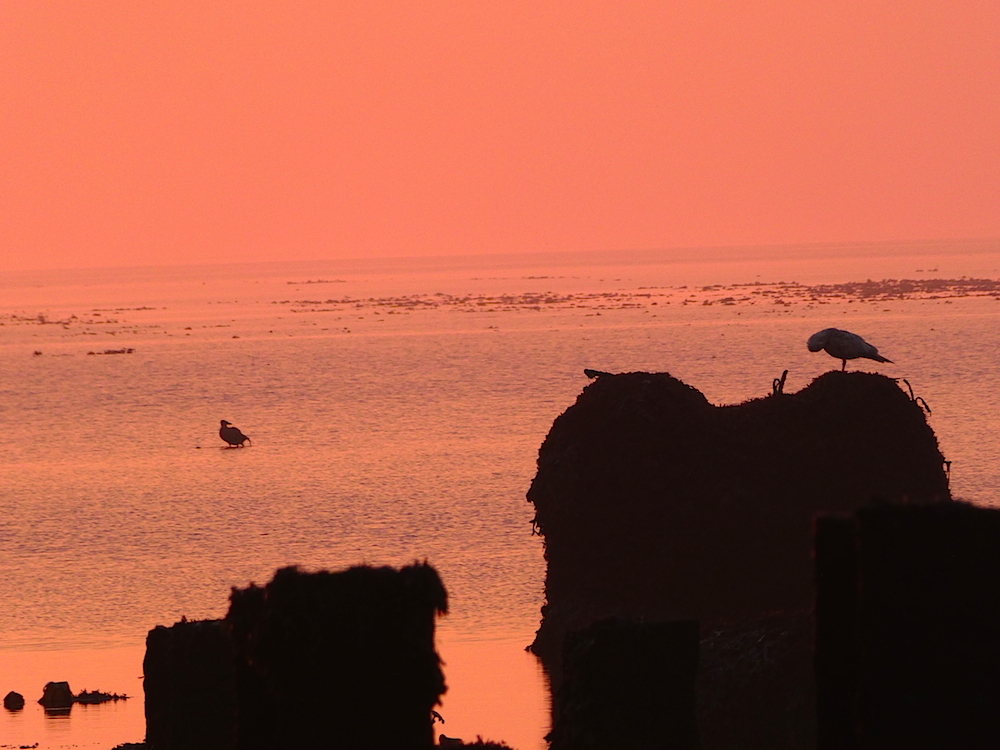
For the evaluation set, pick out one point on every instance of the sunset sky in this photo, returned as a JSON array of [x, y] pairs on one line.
[[162, 132]]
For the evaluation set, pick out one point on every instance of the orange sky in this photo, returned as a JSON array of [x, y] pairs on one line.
[[173, 131]]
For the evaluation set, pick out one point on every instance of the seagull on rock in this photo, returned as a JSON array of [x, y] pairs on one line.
[[844, 345], [232, 435]]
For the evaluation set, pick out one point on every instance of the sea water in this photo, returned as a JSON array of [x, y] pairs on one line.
[[395, 410]]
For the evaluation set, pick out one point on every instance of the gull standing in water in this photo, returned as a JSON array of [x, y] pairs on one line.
[[844, 345], [232, 435]]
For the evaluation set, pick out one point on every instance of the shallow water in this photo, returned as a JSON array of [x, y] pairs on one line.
[[396, 412]]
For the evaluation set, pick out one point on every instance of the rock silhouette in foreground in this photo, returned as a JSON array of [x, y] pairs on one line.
[[311, 660], [654, 504]]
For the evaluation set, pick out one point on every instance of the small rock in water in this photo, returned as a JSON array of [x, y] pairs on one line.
[[56, 695], [13, 701]]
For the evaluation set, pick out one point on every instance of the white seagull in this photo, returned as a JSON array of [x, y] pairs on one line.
[[844, 345]]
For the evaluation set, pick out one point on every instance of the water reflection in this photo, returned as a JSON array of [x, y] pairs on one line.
[[84, 727], [410, 435]]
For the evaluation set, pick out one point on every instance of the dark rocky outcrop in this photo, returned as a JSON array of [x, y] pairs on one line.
[[908, 627], [13, 701], [56, 696], [655, 504]]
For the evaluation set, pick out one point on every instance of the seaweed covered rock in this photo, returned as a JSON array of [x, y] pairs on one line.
[[656, 505], [96, 697], [56, 695], [653, 503], [457, 744], [338, 660]]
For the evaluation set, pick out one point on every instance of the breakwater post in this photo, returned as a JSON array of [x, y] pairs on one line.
[[628, 685], [908, 622], [189, 675], [326, 660]]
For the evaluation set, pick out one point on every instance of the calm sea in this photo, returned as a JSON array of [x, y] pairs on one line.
[[396, 409]]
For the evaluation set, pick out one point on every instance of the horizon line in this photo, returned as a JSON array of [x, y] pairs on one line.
[[632, 256]]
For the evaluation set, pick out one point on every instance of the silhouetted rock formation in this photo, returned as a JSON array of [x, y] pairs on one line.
[[56, 695], [338, 660], [654, 504], [13, 701], [628, 685], [190, 684], [908, 622]]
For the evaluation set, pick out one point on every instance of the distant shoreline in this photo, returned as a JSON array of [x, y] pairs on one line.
[[446, 263]]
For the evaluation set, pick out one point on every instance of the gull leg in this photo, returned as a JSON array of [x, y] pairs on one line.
[[843, 365]]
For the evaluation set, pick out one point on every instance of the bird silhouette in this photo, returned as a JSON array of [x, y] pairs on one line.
[[232, 435], [844, 345]]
